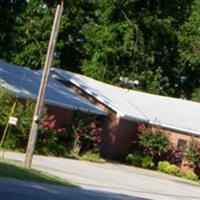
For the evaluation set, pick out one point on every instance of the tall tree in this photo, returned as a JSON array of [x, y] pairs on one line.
[[31, 31], [189, 47], [135, 39], [9, 9]]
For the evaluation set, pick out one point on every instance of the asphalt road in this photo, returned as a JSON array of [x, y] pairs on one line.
[[99, 181]]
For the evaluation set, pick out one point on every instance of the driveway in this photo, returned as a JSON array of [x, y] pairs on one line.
[[114, 180]]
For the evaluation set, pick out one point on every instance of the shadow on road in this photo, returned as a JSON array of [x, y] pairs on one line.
[[19, 190]]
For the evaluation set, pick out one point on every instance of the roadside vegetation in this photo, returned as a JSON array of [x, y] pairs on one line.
[[156, 152], [79, 139], [14, 170]]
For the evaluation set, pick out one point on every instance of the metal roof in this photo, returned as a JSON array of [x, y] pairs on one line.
[[176, 114], [24, 83]]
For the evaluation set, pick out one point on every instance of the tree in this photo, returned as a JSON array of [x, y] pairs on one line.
[[9, 9], [147, 40], [135, 39], [189, 48], [31, 31]]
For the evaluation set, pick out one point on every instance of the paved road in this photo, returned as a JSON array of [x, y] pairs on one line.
[[113, 180]]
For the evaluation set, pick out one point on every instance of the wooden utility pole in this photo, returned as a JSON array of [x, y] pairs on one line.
[[41, 95]]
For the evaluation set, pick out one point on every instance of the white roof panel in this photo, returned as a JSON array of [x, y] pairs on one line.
[[25, 83], [173, 113]]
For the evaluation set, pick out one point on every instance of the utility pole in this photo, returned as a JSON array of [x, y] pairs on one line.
[[43, 85]]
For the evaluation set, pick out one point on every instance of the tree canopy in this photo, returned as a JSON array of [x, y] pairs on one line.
[[155, 42]]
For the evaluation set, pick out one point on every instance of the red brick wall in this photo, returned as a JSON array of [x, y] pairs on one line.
[[119, 139], [63, 116], [90, 98], [174, 137]]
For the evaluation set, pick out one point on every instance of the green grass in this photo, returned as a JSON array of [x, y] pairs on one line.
[[11, 169]]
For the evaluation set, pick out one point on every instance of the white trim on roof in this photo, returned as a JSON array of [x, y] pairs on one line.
[[139, 106], [189, 132], [173, 128], [49, 102], [99, 98], [57, 94]]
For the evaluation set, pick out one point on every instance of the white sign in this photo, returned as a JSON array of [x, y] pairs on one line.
[[13, 121]]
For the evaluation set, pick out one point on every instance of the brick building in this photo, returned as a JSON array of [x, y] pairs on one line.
[[126, 108], [60, 101]]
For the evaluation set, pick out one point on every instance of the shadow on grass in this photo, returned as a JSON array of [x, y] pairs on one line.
[[15, 171], [19, 190]]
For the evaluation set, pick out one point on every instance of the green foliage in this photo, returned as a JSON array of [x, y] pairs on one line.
[[154, 142], [29, 42], [189, 48], [137, 40], [153, 42], [140, 161], [191, 176], [196, 95], [17, 137], [85, 133], [6, 101], [165, 166], [92, 156], [9, 10], [189, 37], [193, 153], [134, 159], [162, 165], [48, 144], [147, 162]]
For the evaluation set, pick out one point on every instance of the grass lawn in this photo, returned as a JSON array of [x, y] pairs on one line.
[[11, 169]]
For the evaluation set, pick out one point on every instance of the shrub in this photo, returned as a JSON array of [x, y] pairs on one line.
[[85, 133], [139, 160], [6, 102], [174, 170], [147, 162], [193, 153], [93, 157], [134, 159], [162, 166], [154, 141], [47, 142], [191, 176], [165, 166]]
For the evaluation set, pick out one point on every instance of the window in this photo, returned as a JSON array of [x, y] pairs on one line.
[[181, 145]]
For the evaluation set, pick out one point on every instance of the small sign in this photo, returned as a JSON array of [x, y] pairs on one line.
[[13, 121]]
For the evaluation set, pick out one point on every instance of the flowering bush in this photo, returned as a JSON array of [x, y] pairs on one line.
[[193, 153], [47, 142], [154, 142], [50, 123], [86, 132]]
